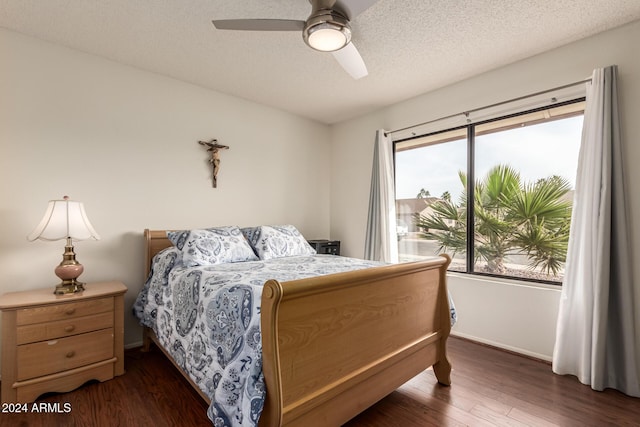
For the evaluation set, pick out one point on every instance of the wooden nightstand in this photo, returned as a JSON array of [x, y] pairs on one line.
[[59, 342]]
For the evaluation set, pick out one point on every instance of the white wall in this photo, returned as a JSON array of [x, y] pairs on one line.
[[124, 142], [511, 315]]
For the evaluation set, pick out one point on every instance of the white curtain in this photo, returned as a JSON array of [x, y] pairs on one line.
[[595, 337], [381, 242]]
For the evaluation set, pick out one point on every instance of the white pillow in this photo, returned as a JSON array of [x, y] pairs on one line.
[[209, 246], [277, 241]]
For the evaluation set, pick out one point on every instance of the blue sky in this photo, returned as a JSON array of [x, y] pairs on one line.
[[536, 151]]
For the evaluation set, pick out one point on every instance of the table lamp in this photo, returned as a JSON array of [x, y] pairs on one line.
[[66, 219]]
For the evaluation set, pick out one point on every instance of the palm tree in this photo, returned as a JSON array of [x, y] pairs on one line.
[[423, 194], [511, 218]]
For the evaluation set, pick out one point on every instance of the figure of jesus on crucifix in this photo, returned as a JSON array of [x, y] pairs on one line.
[[214, 148]]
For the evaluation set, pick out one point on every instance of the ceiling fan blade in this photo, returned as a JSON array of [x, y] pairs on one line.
[[259, 24], [352, 8], [349, 58]]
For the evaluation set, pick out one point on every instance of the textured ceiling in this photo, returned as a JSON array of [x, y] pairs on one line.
[[410, 46]]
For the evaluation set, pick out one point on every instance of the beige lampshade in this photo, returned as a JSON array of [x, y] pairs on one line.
[[64, 218]]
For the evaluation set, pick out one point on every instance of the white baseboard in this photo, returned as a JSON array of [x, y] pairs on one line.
[[544, 357], [133, 345]]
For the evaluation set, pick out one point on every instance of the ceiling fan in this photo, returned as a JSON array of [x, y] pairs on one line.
[[327, 29]]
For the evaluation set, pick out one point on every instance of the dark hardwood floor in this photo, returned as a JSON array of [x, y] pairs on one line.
[[490, 387]]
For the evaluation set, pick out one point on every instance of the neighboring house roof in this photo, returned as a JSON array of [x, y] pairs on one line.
[[411, 206]]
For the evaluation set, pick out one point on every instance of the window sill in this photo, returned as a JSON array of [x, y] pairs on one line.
[[504, 280]]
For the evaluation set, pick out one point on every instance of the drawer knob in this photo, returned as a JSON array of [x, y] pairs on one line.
[[70, 354], [69, 328], [70, 311]]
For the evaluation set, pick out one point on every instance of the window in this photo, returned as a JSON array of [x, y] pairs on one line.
[[515, 222]]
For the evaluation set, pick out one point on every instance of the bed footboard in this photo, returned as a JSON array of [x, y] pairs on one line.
[[334, 345]]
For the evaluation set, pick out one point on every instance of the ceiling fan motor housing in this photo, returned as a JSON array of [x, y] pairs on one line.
[[326, 30]]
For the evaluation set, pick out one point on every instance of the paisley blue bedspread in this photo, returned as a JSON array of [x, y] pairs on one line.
[[208, 318]]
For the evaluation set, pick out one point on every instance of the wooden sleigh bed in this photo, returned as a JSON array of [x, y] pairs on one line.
[[334, 345]]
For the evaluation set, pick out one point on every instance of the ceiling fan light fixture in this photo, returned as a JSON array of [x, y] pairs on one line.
[[327, 33]]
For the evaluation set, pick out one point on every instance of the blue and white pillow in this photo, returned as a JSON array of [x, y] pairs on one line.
[[277, 241], [209, 246]]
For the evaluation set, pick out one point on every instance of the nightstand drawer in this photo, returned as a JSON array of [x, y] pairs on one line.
[[67, 310], [63, 328], [49, 357]]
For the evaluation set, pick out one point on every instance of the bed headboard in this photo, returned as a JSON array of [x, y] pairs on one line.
[[154, 241]]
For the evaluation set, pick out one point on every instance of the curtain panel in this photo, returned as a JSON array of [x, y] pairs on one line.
[[595, 336], [381, 243]]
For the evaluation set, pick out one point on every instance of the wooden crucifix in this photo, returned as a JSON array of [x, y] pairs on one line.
[[214, 148]]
